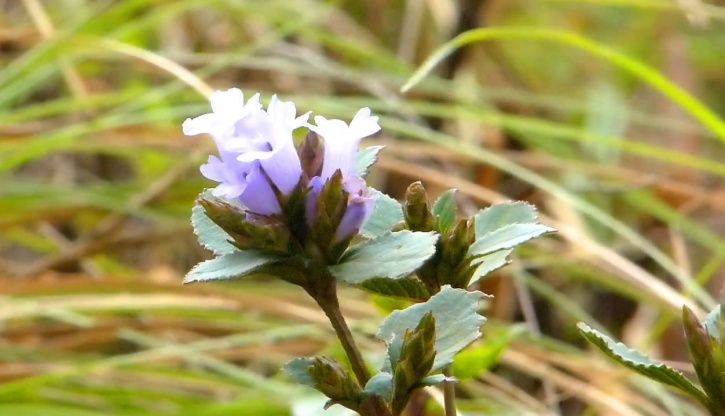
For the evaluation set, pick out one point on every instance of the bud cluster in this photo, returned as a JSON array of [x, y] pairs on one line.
[[451, 265]]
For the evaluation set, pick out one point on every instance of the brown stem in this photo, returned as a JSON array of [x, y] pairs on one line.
[[331, 308], [449, 394], [325, 294]]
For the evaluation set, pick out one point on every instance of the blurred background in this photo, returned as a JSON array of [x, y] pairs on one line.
[[97, 182]]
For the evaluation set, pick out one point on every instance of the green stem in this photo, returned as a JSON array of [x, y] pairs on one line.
[[449, 394]]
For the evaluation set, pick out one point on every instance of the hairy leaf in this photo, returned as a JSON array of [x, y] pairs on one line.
[[506, 237], [392, 255], [210, 235], [229, 266], [444, 209], [366, 158], [500, 215], [386, 214], [457, 323], [640, 363]]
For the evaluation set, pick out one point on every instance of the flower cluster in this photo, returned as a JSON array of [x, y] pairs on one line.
[[259, 167]]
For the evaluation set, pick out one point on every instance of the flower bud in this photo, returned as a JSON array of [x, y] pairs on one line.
[[708, 358], [417, 213], [311, 153], [248, 230], [454, 264]]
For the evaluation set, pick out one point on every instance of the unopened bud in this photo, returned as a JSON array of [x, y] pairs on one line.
[[416, 210]]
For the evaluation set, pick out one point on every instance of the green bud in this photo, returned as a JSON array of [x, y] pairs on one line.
[[331, 204], [454, 265], [416, 210], [248, 231], [414, 362], [335, 382], [708, 358]]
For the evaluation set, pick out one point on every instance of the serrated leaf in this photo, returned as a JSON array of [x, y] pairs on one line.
[[457, 323], [479, 358], [506, 237], [640, 363], [381, 385], [499, 215], [366, 158], [299, 370], [392, 256], [210, 235], [489, 263], [386, 214], [408, 287], [229, 266], [444, 209]]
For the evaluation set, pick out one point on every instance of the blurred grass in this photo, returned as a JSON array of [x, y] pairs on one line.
[[96, 185]]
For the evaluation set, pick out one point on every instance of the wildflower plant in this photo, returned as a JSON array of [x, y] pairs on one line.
[[301, 211]]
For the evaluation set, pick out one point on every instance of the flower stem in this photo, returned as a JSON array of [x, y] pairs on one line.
[[449, 394], [327, 299], [331, 308]]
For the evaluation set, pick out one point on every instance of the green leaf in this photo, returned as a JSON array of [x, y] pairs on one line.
[[479, 358], [457, 323], [392, 256], [444, 209], [229, 266], [408, 287], [381, 385], [640, 363], [489, 263], [500, 215], [386, 214], [210, 235], [366, 158], [299, 370], [713, 323], [506, 237], [436, 379]]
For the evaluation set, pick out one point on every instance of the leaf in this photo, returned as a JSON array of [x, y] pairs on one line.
[[457, 323], [506, 237], [299, 370], [640, 363], [500, 215], [366, 158], [479, 358], [210, 235], [408, 287], [229, 266], [444, 209], [489, 263], [713, 323], [386, 214], [381, 385], [392, 256], [437, 379]]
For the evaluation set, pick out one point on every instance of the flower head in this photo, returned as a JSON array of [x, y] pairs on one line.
[[259, 167]]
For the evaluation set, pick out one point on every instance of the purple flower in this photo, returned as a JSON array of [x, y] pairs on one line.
[[341, 147], [342, 141], [254, 145]]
